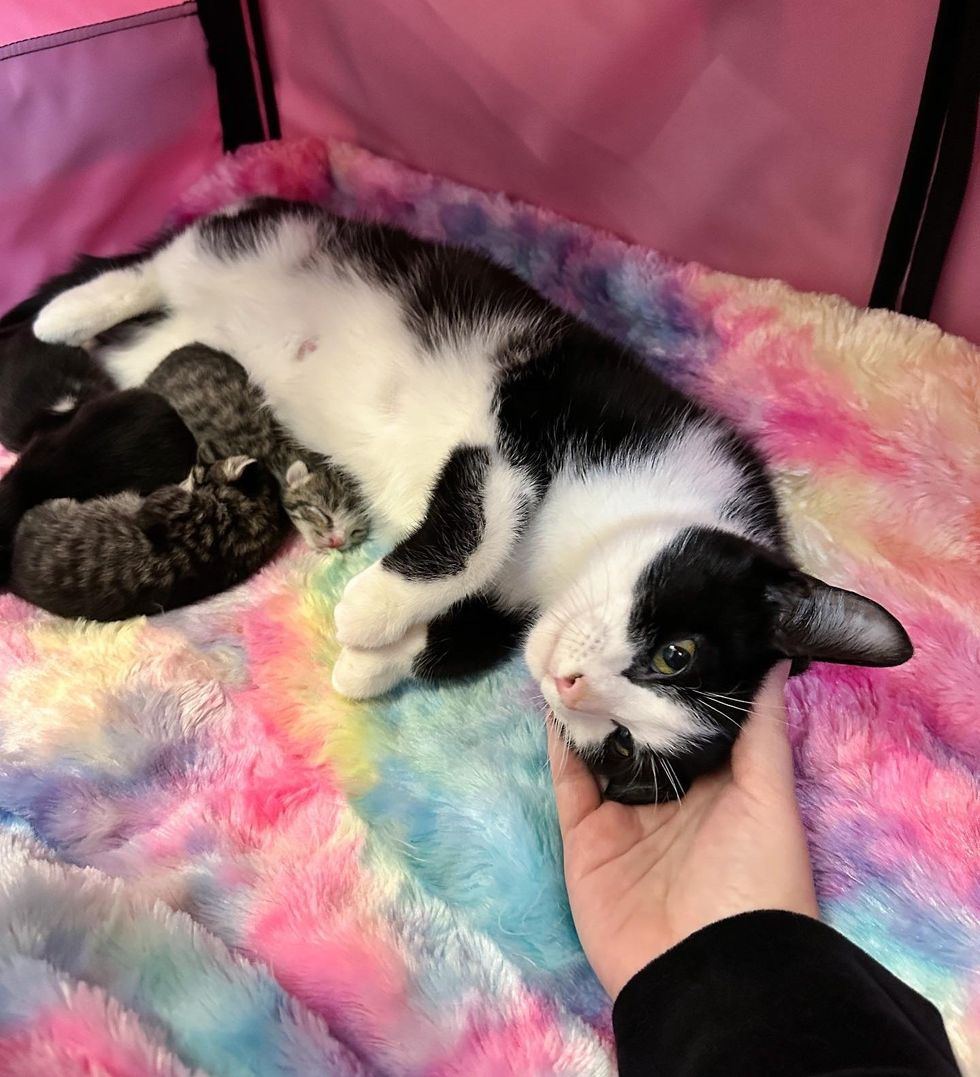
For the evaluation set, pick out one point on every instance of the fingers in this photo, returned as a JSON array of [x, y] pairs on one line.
[[576, 792], [763, 751]]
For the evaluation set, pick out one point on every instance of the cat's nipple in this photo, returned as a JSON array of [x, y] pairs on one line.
[[308, 346]]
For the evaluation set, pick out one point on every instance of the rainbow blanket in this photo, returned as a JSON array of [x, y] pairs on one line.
[[211, 864]]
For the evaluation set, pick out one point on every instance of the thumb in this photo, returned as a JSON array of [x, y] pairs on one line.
[[576, 792], [762, 753]]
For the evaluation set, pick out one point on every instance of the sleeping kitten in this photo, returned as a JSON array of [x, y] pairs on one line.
[[132, 440], [42, 385], [524, 470], [123, 556], [228, 413]]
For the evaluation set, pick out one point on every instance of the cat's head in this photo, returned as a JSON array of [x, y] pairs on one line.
[[320, 509], [651, 658]]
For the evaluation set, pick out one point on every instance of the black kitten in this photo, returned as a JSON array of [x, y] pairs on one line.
[[42, 385], [132, 440]]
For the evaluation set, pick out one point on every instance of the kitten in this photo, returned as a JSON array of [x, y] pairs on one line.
[[526, 473], [42, 385], [132, 440], [123, 556], [228, 413]]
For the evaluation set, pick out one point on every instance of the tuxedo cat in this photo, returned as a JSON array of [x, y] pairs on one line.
[[531, 478]]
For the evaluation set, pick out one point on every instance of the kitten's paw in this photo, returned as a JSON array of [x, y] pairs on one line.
[[375, 610], [363, 674]]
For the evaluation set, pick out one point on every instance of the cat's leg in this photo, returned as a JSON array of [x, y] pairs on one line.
[[81, 313], [473, 518], [469, 638]]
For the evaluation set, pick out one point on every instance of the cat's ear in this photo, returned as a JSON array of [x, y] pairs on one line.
[[829, 624], [297, 473]]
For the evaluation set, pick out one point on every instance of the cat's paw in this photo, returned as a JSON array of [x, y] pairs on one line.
[[375, 609], [65, 320], [363, 674]]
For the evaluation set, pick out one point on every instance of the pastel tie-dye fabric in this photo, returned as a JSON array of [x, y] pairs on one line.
[[211, 864]]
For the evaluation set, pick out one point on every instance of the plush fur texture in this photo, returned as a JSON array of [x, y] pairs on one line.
[[216, 862]]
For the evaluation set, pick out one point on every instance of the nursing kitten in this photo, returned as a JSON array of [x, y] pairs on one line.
[[118, 557], [524, 471], [42, 385], [228, 413], [132, 440]]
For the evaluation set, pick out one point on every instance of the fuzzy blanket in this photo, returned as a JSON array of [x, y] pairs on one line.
[[211, 864]]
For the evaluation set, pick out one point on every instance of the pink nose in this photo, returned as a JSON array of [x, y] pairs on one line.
[[336, 539], [570, 689]]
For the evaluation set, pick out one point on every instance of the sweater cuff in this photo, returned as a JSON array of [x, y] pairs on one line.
[[773, 993]]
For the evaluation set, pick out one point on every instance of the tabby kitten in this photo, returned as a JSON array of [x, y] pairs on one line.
[[118, 557], [227, 413]]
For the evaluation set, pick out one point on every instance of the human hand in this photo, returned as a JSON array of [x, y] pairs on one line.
[[642, 878]]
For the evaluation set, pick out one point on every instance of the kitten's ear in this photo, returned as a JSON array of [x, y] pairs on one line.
[[234, 467], [828, 624], [245, 474], [296, 473]]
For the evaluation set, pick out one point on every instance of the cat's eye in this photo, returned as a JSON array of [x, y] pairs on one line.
[[674, 657], [621, 742]]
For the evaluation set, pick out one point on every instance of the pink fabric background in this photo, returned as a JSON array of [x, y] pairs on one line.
[[100, 136], [765, 138], [20, 19]]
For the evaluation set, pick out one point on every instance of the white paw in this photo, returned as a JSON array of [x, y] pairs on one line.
[[65, 320], [363, 674], [375, 609]]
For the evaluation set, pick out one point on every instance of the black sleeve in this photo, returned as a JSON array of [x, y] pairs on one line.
[[773, 994]]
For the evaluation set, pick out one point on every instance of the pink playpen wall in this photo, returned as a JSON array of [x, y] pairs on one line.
[[765, 137]]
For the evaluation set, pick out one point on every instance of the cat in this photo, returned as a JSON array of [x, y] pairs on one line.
[[227, 412], [531, 478], [118, 557], [42, 385], [131, 440]]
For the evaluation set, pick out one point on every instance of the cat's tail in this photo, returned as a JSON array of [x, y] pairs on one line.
[[83, 312]]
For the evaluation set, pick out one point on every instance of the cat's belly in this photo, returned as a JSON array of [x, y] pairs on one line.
[[355, 384]]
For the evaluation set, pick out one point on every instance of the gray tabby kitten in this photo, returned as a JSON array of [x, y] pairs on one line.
[[122, 556], [227, 412]]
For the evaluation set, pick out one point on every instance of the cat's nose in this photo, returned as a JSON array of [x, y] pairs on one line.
[[570, 689], [335, 540]]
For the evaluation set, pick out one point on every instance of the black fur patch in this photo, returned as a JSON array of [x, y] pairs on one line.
[[454, 521], [471, 637]]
